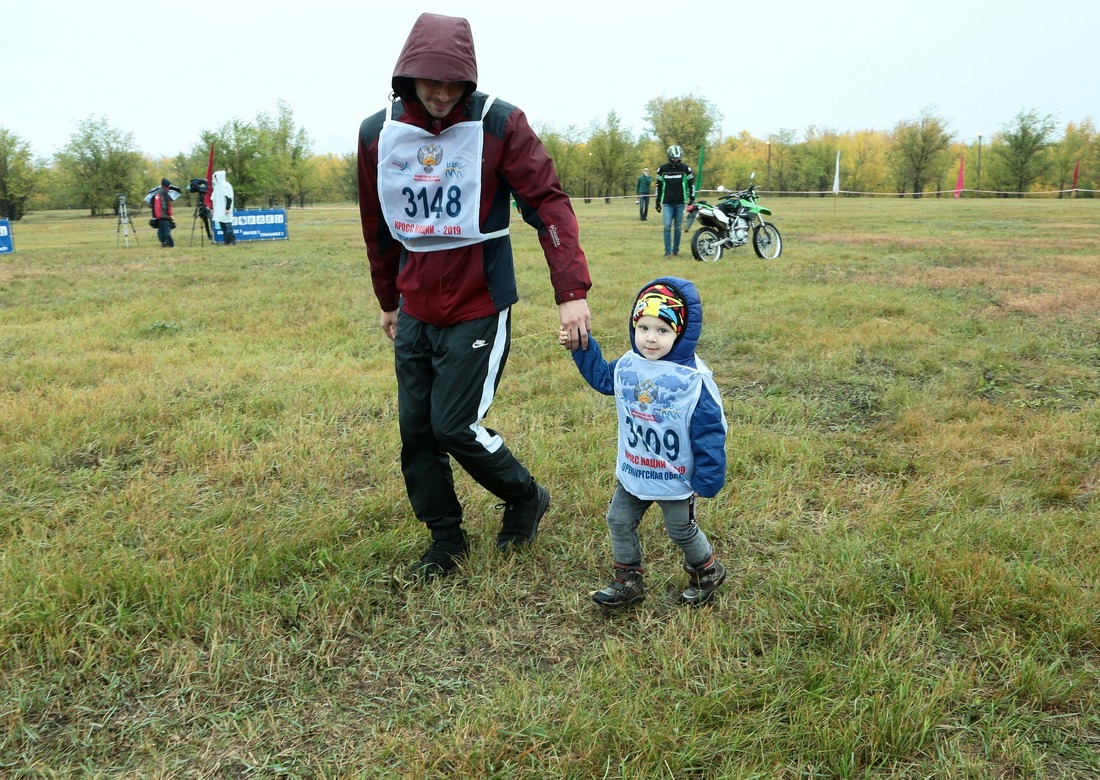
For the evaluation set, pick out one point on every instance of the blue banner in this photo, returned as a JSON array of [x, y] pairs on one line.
[[6, 243], [255, 225]]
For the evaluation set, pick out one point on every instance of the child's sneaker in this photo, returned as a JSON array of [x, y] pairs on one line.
[[702, 582], [627, 588]]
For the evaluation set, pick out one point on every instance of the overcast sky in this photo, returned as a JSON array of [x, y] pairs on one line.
[[167, 71]]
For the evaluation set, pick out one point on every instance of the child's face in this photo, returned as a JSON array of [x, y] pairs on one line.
[[654, 337]]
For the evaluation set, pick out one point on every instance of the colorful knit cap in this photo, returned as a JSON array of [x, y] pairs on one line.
[[659, 300]]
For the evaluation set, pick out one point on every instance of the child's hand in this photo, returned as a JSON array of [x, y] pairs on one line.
[[563, 338]]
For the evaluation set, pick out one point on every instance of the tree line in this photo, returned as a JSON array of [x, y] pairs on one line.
[[271, 163]]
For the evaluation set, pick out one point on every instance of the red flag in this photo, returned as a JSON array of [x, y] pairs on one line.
[[1076, 170], [959, 181], [208, 196]]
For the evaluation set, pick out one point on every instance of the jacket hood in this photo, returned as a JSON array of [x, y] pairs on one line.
[[440, 48], [217, 177], [683, 351]]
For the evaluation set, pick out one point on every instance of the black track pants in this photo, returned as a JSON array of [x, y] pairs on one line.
[[446, 380]]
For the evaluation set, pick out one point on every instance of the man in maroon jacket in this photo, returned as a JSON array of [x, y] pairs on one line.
[[437, 171]]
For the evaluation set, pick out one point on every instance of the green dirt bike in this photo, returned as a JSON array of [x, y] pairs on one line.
[[729, 223]]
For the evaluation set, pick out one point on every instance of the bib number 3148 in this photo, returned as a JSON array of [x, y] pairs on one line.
[[422, 204]]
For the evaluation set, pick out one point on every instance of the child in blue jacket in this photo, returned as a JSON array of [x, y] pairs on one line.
[[672, 437]]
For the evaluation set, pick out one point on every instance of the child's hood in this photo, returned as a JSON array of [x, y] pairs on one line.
[[683, 351]]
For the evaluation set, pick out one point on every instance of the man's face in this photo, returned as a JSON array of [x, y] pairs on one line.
[[439, 97], [645, 170]]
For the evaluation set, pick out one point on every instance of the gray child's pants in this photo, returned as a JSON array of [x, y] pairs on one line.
[[625, 514]]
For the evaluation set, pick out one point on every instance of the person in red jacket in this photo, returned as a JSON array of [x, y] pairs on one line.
[[437, 170], [162, 212]]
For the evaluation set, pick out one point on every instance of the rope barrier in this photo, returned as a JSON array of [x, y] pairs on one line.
[[791, 193], [999, 193]]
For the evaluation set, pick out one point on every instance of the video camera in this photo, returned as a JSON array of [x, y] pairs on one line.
[[199, 187]]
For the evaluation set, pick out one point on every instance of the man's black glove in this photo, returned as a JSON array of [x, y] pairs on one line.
[[658, 207]]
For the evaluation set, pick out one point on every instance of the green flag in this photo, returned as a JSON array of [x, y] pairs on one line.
[[699, 171]]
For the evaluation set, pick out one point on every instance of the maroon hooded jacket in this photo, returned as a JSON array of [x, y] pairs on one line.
[[456, 285]]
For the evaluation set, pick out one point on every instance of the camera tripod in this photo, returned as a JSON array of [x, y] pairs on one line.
[[203, 213], [124, 223]]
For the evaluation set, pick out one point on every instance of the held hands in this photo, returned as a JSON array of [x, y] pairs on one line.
[[563, 341], [576, 324]]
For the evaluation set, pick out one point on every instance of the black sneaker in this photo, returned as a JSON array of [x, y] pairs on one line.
[[439, 558], [702, 582], [520, 523], [627, 588]]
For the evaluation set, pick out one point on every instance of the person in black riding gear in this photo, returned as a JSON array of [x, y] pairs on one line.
[[675, 190]]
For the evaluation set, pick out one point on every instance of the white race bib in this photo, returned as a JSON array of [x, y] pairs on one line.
[[655, 401], [429, 185]]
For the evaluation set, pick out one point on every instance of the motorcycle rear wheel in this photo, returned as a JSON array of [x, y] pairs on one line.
[[706, 246], [766, 241]]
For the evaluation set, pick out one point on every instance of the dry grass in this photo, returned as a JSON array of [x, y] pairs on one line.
[[201, 514]]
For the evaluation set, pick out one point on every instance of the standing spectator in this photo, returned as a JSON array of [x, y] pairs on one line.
[[162, 212], [645, 186], [435, 224], [675, 189], [222, 202]]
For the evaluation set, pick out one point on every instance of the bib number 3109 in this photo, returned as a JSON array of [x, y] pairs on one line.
[[423, 205], [667, 446]]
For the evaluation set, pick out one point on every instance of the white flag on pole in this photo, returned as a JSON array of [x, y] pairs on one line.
[[836, 176]]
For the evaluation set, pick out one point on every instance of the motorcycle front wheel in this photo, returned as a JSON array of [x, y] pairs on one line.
[[706, 246], [766, 241]]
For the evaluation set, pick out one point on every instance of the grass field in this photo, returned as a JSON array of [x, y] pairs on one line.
[[201, 511]]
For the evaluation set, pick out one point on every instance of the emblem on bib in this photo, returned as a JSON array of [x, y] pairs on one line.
[[429, 156]]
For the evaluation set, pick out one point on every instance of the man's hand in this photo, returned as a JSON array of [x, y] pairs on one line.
[[388, 321], [657, 206], [576, 324]]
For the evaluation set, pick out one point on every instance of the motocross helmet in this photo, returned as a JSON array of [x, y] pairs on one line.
[[675, 153]]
